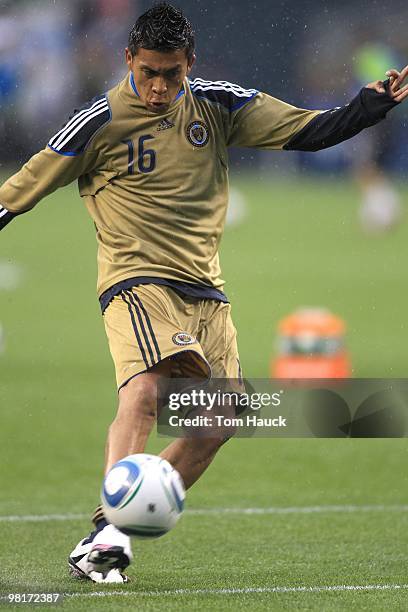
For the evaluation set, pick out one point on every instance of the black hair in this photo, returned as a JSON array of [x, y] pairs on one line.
[[162, 28]]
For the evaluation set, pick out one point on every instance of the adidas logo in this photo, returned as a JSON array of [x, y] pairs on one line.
[[165, 124]]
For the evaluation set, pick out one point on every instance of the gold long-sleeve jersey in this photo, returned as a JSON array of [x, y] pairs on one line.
[[156, 186]]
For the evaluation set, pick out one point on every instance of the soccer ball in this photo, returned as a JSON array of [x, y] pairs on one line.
[[143, 496]]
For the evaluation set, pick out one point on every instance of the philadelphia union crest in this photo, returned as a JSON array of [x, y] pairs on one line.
[[183, 339], [198, 133]]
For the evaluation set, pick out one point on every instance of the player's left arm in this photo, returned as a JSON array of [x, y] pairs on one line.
[[272, 124], [369, 107]]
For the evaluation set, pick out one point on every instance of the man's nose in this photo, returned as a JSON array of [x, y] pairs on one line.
[[159, 86]]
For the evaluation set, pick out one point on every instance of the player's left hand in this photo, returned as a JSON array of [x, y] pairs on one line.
[[396, 90]]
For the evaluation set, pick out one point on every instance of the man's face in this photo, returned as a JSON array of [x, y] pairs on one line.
[[158, 76]]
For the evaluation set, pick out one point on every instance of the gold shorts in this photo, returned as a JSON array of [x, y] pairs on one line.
[[149, 323]]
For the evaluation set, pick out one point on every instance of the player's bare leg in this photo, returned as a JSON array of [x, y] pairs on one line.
[[192, 456], [104, 555], [136, 415]]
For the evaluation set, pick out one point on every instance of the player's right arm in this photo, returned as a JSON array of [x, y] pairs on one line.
[[68, 155]]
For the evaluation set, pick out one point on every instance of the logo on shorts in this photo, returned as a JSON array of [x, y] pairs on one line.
[[182, 339], [198, 133]]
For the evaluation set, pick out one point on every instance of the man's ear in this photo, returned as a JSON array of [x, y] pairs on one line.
[[128, 57], [191, 63]]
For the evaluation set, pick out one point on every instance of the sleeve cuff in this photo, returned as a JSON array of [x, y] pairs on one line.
[[5, 216], [376, 105]]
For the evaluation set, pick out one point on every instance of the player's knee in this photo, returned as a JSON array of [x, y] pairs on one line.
[[138, 398], [212, 445], [228, 425]]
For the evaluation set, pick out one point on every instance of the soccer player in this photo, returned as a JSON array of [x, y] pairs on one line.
[[151, 159]]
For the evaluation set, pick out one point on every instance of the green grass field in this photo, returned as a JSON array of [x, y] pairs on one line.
[[327, 516]]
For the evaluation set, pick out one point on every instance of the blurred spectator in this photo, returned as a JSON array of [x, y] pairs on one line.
[[380, 207], [47, 71], [54, 56], [337, 55]]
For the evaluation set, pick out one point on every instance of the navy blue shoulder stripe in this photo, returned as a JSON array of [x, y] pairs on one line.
[[76, 134], [228, 95]]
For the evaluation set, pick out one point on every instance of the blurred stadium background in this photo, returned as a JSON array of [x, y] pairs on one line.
[[294, 239], [54, 54]]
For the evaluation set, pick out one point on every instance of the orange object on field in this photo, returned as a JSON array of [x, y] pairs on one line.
[[311, 344]]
